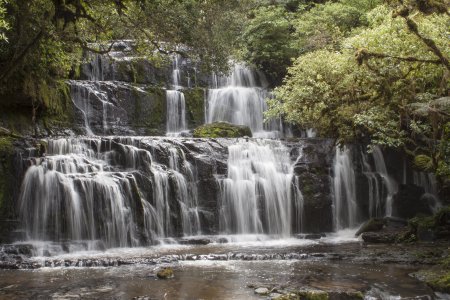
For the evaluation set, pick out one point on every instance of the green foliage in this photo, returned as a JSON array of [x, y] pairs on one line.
[[267, 41], [324, 26], [4, 26], [369, 76]]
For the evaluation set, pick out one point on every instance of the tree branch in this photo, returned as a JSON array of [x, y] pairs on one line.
[[364, 54]]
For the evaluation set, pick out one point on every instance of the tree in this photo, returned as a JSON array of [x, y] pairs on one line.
[[267, 41], [382, 84], [47, 38]]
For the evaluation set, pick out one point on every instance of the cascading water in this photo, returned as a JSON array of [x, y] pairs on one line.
[[382, 187], [240, 99], [376, 202], [176, 113], [389, 183], [429, 184], [344, 188], [111, 190], [256, 196], [176, 104]]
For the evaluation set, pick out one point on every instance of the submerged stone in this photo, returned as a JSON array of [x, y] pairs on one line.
[[310, 236], [165, 273], [222, 129]]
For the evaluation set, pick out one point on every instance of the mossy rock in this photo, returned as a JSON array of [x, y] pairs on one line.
[[6, 176], [436, 226], [165, 273], [441, 283], [195, 106], [313, 295], [436, 278], [222, 130], [372, 225]]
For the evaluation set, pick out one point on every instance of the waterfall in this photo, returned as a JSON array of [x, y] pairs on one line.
[[176, 113], [429, 184], [89, 99], [256, 196], [240, 99], [388, 182], [176, 104], [344, 188], [376, 202], [188, 197], [112, 190]]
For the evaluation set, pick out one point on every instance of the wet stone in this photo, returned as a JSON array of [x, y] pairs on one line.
[[275, 296], [262, 291]]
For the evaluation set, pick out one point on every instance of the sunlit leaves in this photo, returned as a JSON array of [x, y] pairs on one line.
[[4, 26]]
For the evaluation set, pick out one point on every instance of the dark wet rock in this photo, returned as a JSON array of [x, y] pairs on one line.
[[312, 170], [431, 228], [195, 241], [310, 236], [374, 224], [409, 202], [165, 273], [222, 130], [379, 237]]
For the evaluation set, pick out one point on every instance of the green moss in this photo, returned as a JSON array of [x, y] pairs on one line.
[[6, 145], [59, 111], [165, 273], [440, 283], [438, 224], [6, 167], [138, 71], [195, 106], [150, 110], [307, 186], [222, 129], [314, 295]]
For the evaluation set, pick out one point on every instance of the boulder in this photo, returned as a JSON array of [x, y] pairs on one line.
[[222, 129], [372, 225]]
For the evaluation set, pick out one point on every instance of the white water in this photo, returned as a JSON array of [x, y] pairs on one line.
[[256, 195], [240, 99], [176, 113], [388, 182], [176, 104], [344, 188], [94, 189], [87, 98], [428, 182]]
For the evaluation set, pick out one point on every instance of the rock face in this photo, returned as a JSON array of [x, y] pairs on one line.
[[410, 201], [171, 187], [222, 130], [312, 170]]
